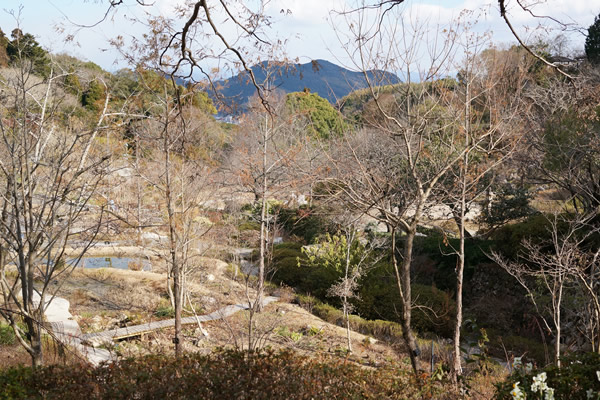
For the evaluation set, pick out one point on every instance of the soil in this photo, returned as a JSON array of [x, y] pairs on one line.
[[105, 298]]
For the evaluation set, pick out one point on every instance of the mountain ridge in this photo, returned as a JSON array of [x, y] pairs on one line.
[[323, 77]]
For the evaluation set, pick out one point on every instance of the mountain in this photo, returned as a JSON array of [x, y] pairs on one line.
[[328, 80]]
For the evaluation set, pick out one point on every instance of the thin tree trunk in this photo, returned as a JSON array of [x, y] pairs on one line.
[[558, 323], [460, 267], [460, 262], [263, 223], [172, 242], [349, 240], [403, 282]]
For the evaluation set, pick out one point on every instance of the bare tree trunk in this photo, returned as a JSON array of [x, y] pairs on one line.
[[175, 270], [139, 188], [263, 222], [557, 325], [403, 282], [349, 240], [460, 262]]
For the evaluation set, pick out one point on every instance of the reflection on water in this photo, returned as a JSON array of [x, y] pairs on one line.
[[115, 262]]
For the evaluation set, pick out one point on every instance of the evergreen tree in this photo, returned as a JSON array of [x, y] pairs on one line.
[[592, 42], [324, 121], [25, 47], [3, 45]]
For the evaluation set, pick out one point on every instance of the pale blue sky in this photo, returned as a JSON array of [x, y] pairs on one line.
[[308, 28]]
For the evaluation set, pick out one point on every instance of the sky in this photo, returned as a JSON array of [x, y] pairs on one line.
[[306, 27]]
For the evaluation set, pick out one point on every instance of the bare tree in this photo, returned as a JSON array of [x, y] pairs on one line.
[[49, 172], [551, 263], [481, 91]]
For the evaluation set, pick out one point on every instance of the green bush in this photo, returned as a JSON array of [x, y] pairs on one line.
[[438, 249], [302, 222], [532, 350], [221, 375], [378, 293], [379, 298], [324, 121], [164, 309], [249, 226], [7, 335], [577, 379], [508, 239], [384, 330]]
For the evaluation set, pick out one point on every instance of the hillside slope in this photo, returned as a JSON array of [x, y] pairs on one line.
[[329, 80]]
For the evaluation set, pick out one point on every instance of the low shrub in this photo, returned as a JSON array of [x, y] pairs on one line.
[[437, 249], [7, 335], [302, 222], [249, 226], [379, 298], [164, 309], [383, 330], [221, 375], [577, 379], [530, 349]]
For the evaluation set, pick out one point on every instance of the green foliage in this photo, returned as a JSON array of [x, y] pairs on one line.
[[15, 383], [25, 47], [71, 83], [592, 42], [384, 330], [202, 102], [531, 349], [221, 375], [285, 332], [4, 59], [286, 259], [379, 298], [93, 97], [571, 154], [436, 263], [302, 222], [324, 121], [249, 226], [330, 253], [7, 335], [508, 239], [377, 294], [510, 203], [577, 379], [164, 309]]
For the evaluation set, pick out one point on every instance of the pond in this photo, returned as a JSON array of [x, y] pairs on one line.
[[116, 262]]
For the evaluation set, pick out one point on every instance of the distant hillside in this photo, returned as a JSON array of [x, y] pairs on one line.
[[328, 80]]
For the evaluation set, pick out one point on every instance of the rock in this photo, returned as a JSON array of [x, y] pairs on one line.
[[153, 236], [201, 331], [208, 300], [210, 277], [98, 341]]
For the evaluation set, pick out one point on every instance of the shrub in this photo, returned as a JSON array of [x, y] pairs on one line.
[[578, 378], [249, 226], [302, 222], [164, 309], [508, 239], [438, 250], [384, 330], [379, 298], [7, 335], [221, 375]]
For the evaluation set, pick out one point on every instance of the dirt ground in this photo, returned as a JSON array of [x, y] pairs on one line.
[[109, 298]]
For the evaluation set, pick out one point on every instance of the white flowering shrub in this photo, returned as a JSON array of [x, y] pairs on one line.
[[578, 378]]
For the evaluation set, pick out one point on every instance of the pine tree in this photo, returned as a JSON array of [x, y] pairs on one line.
[[592, 42]]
